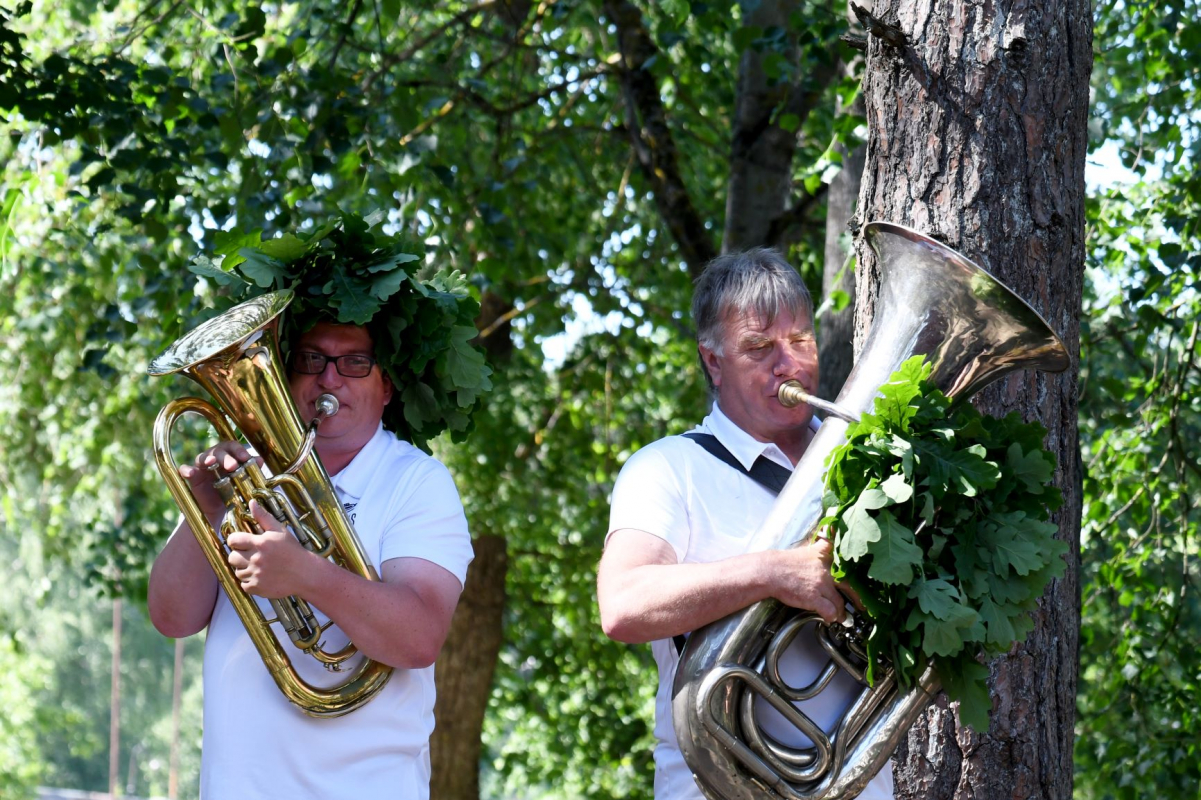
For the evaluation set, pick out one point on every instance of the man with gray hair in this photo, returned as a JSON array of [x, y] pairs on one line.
[[684, 507]]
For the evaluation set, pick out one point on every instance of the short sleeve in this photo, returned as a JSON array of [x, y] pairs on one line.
[[649, 496], [426, 521]]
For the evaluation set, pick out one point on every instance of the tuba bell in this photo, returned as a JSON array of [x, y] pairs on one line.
[[235, 356], [973, 330]]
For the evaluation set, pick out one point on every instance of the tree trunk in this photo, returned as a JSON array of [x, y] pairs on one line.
[[977, 116], [651, 137], [114, 722], [836, 329], [761, 209], [464, 674], [761, 152]]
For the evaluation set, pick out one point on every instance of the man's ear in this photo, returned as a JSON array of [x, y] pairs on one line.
[[711, 362], [388, 390]]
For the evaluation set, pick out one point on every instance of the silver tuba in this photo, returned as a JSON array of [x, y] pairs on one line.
[[973, 330]]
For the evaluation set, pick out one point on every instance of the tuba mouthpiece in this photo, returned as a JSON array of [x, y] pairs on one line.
[[791, 394], [327, 405]]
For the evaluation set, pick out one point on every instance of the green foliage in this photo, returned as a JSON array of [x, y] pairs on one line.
[[421, 319], [545, 477], [1140, 684], [22, 765], [57, 676], [497, 142], [1138, 727], [939, 520]]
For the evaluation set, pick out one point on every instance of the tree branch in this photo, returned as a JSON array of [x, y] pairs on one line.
[[135, 33], [354, 12], [890, 34], [797, 216], [508, 316], [420, 44], [762, 149], [493, 110], [465, 92], [651, 138]]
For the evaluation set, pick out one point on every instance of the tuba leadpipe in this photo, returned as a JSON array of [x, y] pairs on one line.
[[973, 330], [235, 357]]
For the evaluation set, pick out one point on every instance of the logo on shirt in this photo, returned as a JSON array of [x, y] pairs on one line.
[[349, 507]]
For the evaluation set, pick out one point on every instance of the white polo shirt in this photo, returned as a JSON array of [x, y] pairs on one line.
[[403, 504], [707, 511]]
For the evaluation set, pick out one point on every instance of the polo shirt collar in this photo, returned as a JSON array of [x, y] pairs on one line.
[[742, 445], [352, 480]]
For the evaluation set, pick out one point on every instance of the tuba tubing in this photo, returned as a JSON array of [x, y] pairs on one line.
[[235, 357], [973, 330]]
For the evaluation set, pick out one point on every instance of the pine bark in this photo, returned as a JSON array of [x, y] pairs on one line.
[[977, 115]]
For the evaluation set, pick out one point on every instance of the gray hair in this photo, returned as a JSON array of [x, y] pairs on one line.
[[758, 281]]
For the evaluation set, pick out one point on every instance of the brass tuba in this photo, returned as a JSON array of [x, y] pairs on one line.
[[235, 356], [973, 330]]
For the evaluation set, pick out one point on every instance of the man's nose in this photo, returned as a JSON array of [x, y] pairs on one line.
[[788, 361], [330, 376]]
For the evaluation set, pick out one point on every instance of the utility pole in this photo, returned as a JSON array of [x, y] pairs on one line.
[[114, 725], [173, 769]]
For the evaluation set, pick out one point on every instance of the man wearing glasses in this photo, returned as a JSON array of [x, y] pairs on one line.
[[407, 514]]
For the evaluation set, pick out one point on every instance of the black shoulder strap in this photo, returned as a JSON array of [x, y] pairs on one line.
[[764, 471]]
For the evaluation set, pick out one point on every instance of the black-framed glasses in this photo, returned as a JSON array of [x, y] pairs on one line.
[[348, 366]]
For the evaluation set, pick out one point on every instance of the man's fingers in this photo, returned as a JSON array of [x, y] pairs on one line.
[[232, 457], [828, 610], [264, 517], [850, 594], [229, 455], [838, 605], [261, 514]]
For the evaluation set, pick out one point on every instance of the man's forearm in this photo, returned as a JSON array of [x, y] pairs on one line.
[[392, 622], [645, 594], [182, 589], [658, 601]]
